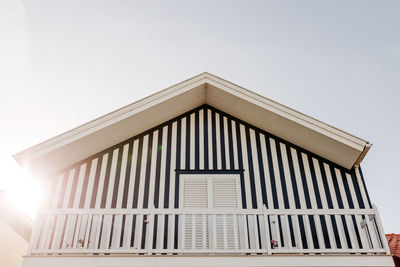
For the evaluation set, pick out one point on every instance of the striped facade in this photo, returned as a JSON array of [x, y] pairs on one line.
[[144, 171]]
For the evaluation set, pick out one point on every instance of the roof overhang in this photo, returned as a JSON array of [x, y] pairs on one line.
[[70, 147]]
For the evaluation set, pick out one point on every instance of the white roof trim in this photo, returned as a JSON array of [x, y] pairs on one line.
[[96, 135]]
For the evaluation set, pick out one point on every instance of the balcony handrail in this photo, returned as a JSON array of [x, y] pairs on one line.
[[212, 231]]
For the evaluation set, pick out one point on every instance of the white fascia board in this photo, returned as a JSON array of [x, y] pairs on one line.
[[107, 120], [94, 136], [211, 261], [289, 113]]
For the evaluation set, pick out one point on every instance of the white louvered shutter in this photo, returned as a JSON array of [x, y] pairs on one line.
[[211, 191], [196, 226], [225, 195]]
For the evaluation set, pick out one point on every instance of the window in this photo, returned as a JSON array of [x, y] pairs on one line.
[[216, 192]]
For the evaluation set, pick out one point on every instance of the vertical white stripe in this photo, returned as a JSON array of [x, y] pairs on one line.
[[298, 178], [107, 222], [89, 191], [349, 223], [201, 139], [153, 169], [132, 175], [59, 220], [101, 180], [163, 165], [267, 178], [78, 191], [118, 218], [112, 179], [277, 174], [122, 175], [183, 143], [142, 181], [171, 221], [288, 179], [68, 188], [235, 149], [129, 218], [160, 226], [210, 144], [245, 166], [311, 190], [321, 189], [256, 169], [339, 179], [362, 189], [226, 141], [331, 186], [142, 177]]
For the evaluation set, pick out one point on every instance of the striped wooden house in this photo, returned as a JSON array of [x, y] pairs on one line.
[[204, 173]]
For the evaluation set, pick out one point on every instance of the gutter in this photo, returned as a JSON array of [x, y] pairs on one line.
[[360, 158]]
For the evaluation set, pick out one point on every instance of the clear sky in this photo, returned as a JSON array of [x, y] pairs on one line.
[[63, 63]]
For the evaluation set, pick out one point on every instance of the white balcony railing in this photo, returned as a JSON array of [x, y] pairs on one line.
[[210, 231]]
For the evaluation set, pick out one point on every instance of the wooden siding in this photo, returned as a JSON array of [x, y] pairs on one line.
[[143, 173]]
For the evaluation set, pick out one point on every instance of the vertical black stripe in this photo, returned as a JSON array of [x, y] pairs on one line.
[[357, 190], [168, 167], [313, 231], [148, 169], [144, 231], [117, 178], [336, 186], [127, 176], [315, 183], [353, 218], [291, 229], [177, 163], [346, 231], [155, 231], [137, 174], [326, 186], [121, 239], [336, 232], [261, 170], [302, 231], [230, 142], [158, 168], [325, 231], [293, 178], [214, 139], [133, 230], [240, 161], [196, 141], [251, 170], [347, 190], [303, 180], [365, 187], [205, 128], [271, 173], [282, 175], [187, 153]]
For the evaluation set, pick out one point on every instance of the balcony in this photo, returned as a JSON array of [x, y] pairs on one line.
[[207, 231]]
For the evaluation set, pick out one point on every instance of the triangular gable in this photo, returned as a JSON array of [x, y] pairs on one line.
[[324, 140]]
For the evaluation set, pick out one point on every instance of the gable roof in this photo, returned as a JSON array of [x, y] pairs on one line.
[[320, 138]]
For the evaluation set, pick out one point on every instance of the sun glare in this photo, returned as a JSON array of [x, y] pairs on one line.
[[23, 192]]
